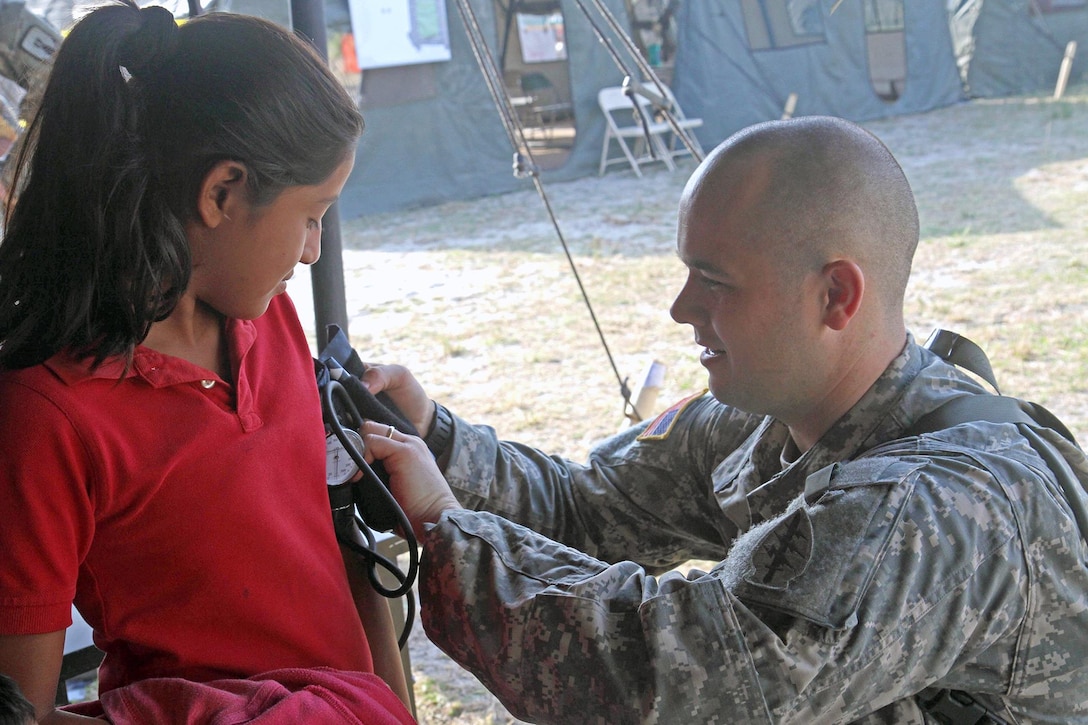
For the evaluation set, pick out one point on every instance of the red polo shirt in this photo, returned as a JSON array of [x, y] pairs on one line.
[[186, 517]]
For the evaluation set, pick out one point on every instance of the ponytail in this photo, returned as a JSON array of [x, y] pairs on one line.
[[91, 255]]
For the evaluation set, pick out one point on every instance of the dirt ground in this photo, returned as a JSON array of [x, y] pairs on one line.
[[478, 299]]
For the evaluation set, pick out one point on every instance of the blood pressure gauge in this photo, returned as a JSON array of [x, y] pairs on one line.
[[339, 466]]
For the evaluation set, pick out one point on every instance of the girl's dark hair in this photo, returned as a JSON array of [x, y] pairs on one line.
[[135, 114]]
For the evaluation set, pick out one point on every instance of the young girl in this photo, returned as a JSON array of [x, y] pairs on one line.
[[161, 443]]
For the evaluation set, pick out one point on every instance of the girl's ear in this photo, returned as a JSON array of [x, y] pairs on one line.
[[845, 288], [222, 193]]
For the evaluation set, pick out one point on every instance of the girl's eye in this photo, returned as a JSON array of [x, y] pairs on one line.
[[711, 283]]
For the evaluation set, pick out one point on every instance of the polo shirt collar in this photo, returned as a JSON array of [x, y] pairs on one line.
[[155, 368]]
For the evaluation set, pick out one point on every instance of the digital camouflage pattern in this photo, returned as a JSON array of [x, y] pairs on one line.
[[950, 560]]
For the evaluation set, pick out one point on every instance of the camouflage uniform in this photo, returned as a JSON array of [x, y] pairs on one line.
[[27, 41], [950, 560]]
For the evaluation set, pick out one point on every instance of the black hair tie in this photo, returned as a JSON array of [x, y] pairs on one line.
[[151, 45]]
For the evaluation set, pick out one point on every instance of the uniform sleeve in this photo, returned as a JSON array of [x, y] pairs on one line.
[[48, 512], [648, 499], [870, 587]]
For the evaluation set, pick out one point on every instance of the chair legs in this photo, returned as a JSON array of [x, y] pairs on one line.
[[605, 161], [660, 153]]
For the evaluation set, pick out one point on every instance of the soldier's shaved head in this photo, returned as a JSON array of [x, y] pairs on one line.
[[812, 190]]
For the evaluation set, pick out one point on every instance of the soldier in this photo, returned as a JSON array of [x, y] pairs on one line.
[[866, 573]]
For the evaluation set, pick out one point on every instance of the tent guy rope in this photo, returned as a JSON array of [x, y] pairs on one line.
[[525, 166]]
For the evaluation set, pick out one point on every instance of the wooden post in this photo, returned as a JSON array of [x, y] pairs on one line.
[[646, 396], [1067, 66], [791, 104]]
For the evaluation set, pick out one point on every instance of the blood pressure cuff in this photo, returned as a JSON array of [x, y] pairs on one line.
[[339, 354]]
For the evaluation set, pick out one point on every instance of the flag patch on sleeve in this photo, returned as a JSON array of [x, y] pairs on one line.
[[662, 425]]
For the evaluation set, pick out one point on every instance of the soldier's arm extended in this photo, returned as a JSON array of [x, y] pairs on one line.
[[645, 499], [857, 597]]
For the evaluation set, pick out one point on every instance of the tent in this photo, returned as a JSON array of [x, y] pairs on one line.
[[739, 61], [1008, 47], [433, 132]]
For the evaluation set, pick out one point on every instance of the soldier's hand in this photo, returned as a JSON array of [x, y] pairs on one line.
[[407, 394], [414, 478]]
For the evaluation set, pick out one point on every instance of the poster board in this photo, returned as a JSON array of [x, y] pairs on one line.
[[399, 32], [542, 38]]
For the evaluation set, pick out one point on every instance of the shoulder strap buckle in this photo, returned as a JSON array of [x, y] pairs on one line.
[[952, 707]]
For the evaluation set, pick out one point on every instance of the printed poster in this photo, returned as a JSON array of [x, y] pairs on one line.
[[542, 38], [399, 32]]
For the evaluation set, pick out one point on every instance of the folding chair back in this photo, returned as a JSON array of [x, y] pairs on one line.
[[641, 144]]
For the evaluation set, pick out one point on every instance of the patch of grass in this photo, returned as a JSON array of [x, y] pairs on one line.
[[430, 698]]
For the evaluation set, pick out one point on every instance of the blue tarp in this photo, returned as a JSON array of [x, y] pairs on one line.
[[1010, 47], [720, 78]]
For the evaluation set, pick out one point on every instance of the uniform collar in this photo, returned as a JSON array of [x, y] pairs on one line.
[[913, 384], [754, 486]]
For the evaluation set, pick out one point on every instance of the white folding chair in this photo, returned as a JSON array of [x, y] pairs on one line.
[[640, 145], [675, 145]]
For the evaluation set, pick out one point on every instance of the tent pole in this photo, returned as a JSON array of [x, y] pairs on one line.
[[509, 9], [327, 274]]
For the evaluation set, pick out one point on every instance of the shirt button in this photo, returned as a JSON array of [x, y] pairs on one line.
[[207, 384]]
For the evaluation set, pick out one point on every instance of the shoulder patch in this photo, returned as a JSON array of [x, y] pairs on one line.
[[783, 553], [661, 427]]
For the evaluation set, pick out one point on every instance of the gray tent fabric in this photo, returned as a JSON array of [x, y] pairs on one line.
[[721, 79], [433, 133], [1012, 47], [446, 141]]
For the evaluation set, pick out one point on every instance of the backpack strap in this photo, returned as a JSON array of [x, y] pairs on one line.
[[958, 350], [990, 408], [1001, 409], [953, 707]]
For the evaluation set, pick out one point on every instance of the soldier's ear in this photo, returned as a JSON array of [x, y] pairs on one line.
[[844, 283]]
